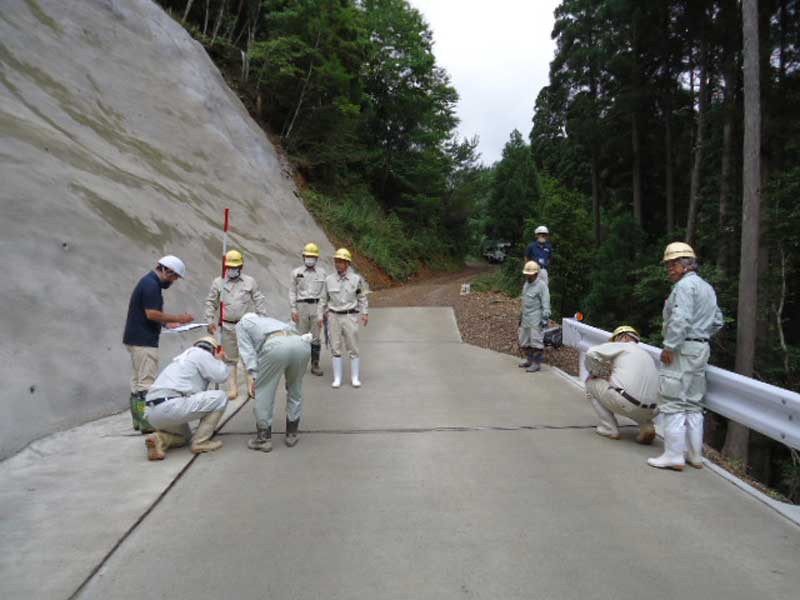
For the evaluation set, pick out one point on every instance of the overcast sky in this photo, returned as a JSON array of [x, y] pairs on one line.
[[498, 54]]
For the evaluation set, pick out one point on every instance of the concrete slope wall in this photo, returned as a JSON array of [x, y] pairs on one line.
[[119, 142]]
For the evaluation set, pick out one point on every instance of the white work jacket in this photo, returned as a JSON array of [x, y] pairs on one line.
[[631, 368], [307, 284], [535, 303], [240, 295], [189, 373], [690, 312], [252, 331], [344, 292]]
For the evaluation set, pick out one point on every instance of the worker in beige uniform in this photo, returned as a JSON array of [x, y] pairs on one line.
[[180, 395], [272, 349], [239, 294], [623, 380], [344, 301], [304, 292]]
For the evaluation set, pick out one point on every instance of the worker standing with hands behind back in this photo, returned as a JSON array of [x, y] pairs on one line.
[[305, 289], [344, 297], [691, 317], [534, 319], [143, 329], [240, 294], [540, 251]]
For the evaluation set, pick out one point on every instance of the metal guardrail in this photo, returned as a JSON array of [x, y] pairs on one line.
[[765, 408]]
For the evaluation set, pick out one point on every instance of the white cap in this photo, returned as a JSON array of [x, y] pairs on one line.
[[173, 263], [542, 229]]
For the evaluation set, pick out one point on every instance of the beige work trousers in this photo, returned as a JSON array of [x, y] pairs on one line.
[[144, 360], [230, 343], [343, 330], [607, 402], [307, 321]]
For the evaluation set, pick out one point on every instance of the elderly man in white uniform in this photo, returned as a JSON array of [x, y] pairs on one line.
[[180, 395], [270, 349], [623, 380]]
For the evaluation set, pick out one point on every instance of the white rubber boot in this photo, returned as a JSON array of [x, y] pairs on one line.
[[694, 439], [674, 443], [355, 364], [337, 371], [233, 383]]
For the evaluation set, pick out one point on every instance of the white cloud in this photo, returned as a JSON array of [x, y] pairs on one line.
[[498, 55]]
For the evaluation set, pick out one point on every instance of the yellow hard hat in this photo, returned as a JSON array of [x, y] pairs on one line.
[[624, 329], [311, 249], [207, 340], [234, 259], [531, 268], [343, 254], [678, 250]]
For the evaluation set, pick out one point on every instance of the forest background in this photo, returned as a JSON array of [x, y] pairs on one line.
[[637, 141]]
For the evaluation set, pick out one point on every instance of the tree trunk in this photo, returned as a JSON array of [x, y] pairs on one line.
[[636, 180], [288, 132], [668, 171], [205, 21], [699, 141], [188, 9], [725, 166], [736, 441], [595, 197], [218, 22]]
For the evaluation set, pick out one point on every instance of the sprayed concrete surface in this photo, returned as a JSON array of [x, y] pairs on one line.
[[119, 142], [449, 474]]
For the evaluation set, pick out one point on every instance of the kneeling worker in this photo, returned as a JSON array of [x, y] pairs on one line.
[[534, 319], [180, 395], [270, 348], [623, 379]]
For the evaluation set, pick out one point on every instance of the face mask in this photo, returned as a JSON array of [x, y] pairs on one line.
[[165, 284], [234, 273], [541, 239], [310, 261]]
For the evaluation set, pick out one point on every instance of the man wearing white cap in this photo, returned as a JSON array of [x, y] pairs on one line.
[[143, 328], [623, 379]]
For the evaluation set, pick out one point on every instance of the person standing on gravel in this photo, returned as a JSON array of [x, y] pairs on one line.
[[540, 251], [691, 317], [344, 298], [237, 293], [622, 379], [305, 289], [534, 319], [143, 330]]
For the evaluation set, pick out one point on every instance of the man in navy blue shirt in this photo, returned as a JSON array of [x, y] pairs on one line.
[[143, 328], [541, 252]]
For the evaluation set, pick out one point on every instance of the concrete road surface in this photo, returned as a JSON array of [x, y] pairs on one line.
[[450, 474]]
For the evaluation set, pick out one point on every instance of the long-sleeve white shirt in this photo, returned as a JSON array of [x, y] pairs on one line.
[[691, 311], [189, 373], [251, 332], [632, 368]]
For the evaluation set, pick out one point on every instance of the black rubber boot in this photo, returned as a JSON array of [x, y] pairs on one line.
[[315, 370], [134, 416], [291, 432], [528, 360], [263, 439], [144, 424]]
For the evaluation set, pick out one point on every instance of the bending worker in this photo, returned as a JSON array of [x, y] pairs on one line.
[[622, 379], [180, 395], [534, 319], [691, 317], [541, 251], [143, 329], [344, 298], [269, 349], [239, 294], [304, 292]]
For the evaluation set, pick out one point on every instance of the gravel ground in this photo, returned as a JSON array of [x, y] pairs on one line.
[[488, 320]]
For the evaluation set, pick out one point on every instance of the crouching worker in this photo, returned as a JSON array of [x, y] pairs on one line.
[[180, 395], [270, 348], [535, 316], [623, 380]]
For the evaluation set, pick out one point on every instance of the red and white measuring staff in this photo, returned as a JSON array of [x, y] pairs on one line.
[[224, 271]]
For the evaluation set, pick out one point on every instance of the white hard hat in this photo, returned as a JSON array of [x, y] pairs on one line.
[[173, 263], [542, 229]]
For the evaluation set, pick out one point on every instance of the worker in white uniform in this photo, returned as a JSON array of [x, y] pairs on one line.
[[534, 319], [623, 380], [180, 395], [344, 299], [305, 289], [270, 349], [234, 295], [691, 317]]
